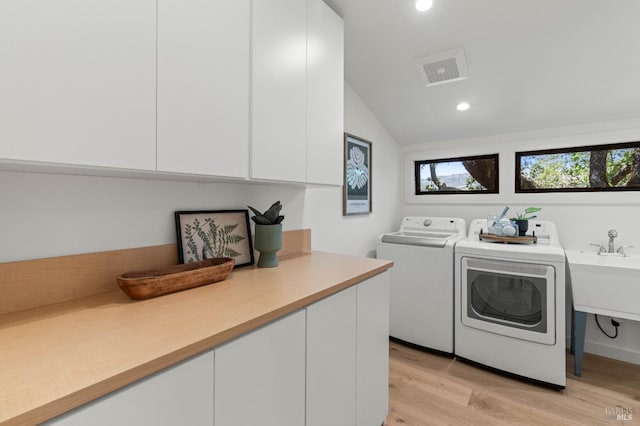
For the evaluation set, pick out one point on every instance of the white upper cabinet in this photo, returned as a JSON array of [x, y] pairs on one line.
[[77, 82], [237, 89], [298, 92], [325, 94], [203, 87], [279, 101]]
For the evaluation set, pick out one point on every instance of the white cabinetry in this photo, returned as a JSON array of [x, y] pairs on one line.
[[260, 376], [373, 350], [323, 365], [77, 82], [203, 87], [325, 94], [179, 395], [331, 360], [279, 102], [235, 89], [297, 100]]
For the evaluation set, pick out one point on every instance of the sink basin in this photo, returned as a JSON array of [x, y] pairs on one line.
[[607, 285]]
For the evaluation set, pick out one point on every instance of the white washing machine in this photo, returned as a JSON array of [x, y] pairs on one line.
[[421, 292], [510, 303]]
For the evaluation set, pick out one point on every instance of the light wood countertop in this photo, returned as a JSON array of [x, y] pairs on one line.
[[57, 357]]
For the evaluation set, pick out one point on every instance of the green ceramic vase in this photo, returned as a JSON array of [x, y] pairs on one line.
[[268, 241]]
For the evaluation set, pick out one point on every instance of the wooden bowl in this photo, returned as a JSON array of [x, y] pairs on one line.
[[157, 282]]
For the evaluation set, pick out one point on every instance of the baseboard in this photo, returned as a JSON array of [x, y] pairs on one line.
[[609, 351]]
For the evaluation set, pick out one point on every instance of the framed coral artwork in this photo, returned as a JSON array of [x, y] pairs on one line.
[[205, 234], [357, 187]]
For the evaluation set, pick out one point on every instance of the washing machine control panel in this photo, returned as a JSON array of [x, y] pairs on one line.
[[419, 223]]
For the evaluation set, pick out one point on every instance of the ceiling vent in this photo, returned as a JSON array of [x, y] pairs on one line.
[[443, 67]]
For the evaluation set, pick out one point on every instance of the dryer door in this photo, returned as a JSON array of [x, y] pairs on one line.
[[511, 298]]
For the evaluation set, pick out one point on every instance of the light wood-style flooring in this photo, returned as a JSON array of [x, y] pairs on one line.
[[429, 389]]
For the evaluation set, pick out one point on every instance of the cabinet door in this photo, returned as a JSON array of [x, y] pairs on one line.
[[77, 82], [260, 376], [179, 395], [331, 360], [325, 92], [279, 103], [203, 87], [373, 351]]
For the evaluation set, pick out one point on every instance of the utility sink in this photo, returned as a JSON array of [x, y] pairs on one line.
[[605, 284]]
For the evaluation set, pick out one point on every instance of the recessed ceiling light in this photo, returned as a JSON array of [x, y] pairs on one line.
[[463, 106], [423, 5]]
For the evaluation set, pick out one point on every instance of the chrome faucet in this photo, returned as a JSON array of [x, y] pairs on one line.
[[602, 250], [612, 234]]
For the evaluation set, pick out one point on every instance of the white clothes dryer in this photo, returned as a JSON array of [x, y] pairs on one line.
[[421, 292], [510, 303]]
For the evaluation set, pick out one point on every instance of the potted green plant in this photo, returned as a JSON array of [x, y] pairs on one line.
[[522, 219], [268, 234]]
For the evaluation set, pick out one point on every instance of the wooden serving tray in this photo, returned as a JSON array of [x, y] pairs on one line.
[[157, 282], [526, 239]]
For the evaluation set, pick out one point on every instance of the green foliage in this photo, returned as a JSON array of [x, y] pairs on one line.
[[557, 170], [473, 184], [270, 217], [216, 240], [618, 162], [527, 213], [572, 169]]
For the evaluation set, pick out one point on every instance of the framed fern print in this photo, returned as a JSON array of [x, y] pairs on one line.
[[205, 234]]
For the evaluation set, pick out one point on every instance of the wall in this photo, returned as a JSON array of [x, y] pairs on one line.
[[581, 218], [47, 215], [357, 235]]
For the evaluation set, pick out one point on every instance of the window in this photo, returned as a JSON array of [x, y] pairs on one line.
[[462, 175], [613, 167]]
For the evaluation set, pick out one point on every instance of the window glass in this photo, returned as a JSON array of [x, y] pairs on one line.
[[614, 167], [463, 175]]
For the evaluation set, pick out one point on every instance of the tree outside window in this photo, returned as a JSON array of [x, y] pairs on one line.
[[462, 175], [613, 167]]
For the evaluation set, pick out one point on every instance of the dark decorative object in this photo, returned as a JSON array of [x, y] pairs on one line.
[[522, 219], [523, 226], [207, 234]]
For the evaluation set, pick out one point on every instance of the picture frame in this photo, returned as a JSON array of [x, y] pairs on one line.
[[357, 176], [203, 234]]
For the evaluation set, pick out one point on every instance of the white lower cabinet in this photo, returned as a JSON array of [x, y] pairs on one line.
[[373, 351], [331, 360], [348, 356], [326, 365], [260, 376], [179, 395]]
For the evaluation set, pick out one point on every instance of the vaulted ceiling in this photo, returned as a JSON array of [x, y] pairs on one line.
[[533, 64]]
